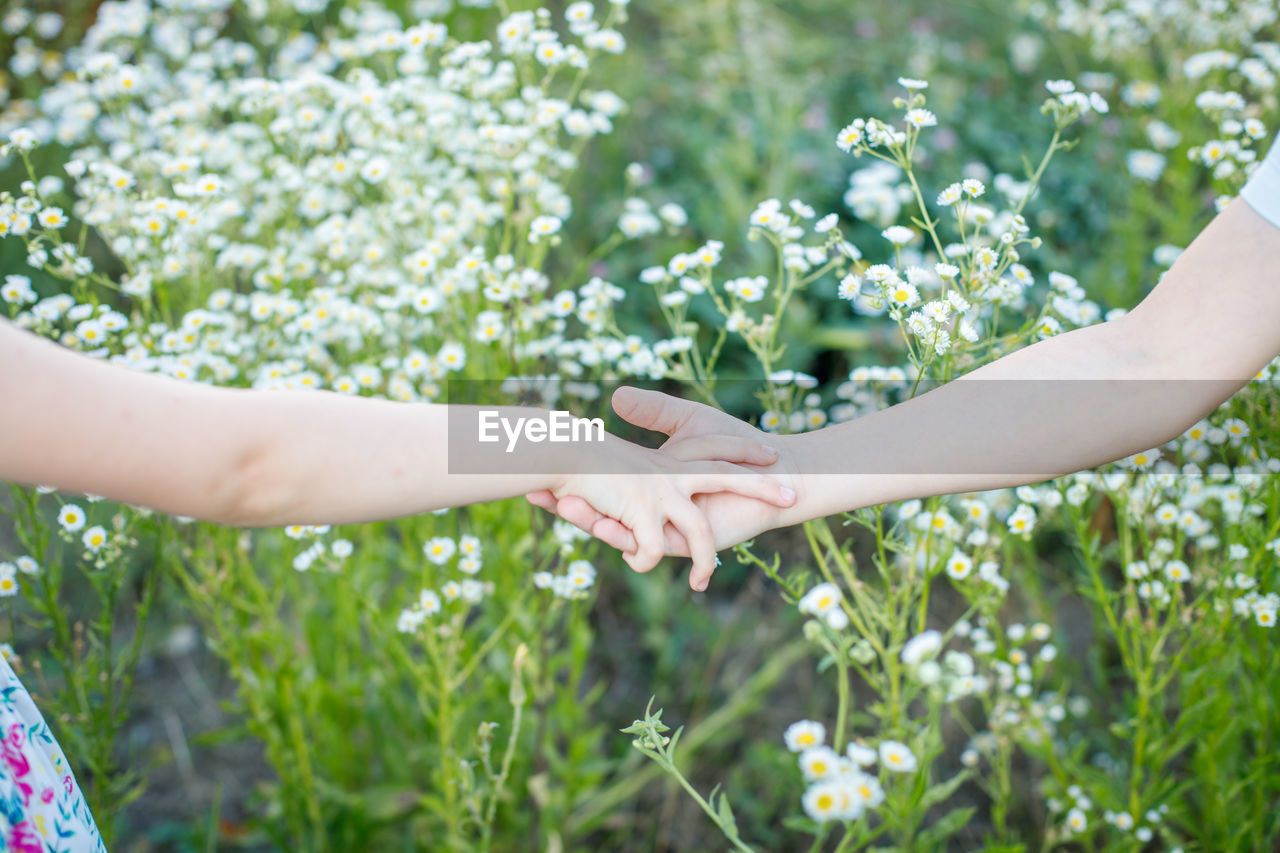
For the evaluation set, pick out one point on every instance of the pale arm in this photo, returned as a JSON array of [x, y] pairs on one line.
[[233, 456], [1208, 327], [262, 458]]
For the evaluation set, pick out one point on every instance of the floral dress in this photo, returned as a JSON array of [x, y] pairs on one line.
[[41, 807]]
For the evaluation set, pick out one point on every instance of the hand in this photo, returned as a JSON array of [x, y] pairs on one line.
[[645, 506], [697, 432]]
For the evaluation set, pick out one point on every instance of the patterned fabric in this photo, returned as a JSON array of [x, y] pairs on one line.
[[41, 807]]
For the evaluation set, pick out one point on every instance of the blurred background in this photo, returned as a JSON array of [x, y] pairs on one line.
[[729, 102]]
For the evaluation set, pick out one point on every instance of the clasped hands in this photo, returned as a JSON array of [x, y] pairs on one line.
[[728, 506]]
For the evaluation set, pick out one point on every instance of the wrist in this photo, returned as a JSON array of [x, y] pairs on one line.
[[826, 477], [796, 454], [587, 458]]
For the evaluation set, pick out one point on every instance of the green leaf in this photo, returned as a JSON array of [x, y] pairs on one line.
[[935, 837], [941, 792], [800, 824], [727, 822]]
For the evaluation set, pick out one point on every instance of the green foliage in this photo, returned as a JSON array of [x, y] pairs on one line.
[[487, 727]]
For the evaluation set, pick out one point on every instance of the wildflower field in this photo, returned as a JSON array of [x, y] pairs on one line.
[[800, 211]]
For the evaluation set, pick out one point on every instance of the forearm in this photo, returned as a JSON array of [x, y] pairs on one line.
[[333, 459], [1002, 426], [1075, 401], [233, 456]]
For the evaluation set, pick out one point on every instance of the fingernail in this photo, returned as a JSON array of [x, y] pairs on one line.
[[769, 451], [788, 494], [700, 586]]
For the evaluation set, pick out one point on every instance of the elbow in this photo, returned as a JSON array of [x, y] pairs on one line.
[[1131, 347], [254, 491], [1174, 382]]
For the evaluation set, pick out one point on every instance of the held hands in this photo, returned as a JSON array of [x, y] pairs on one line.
[[707, 501]]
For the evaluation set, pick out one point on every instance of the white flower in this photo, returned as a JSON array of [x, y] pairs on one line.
[[1145, 165], [1077, 821], [902, 295], [921, 646], [550, 53], [543, 226], [837, 620], [959, 566], [429, 602], [850, 287], [1177, 571], [861, 754], [912, 85], [71, 517], [799, 208], [1235, 428], [851, 136], [23, 139], [921, 118], [819, 762], [579, 12], [469, 546], [748, 288], [95, 537], [17, 289], [409, 621], [820, 600], [674, 215], [898, 235], [866, 789], [439, 549], [1022, 519], [610, 41], [52, 217], [897, 756], [828, 801], [803, 735], [769, 215], [1142, 460]]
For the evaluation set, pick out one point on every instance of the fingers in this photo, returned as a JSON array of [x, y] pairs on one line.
[[677, 545], [693, 524], [725, 477], [745, 451], [617, 535], [649, 551], [572, 509], [614, 534], [544, 499], [578, 512]]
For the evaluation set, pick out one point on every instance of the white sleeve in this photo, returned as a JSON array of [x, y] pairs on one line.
[[1263, 190]]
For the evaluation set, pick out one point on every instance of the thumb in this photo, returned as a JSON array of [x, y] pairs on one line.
[[653, 409]]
